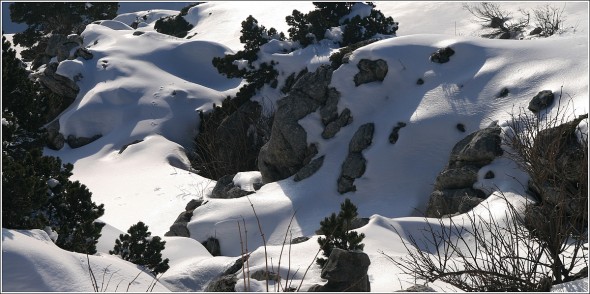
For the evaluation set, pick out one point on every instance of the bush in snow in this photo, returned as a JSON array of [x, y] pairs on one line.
[[311, 27], [46, 18], [138, 247], [175, 26], [337, 235]]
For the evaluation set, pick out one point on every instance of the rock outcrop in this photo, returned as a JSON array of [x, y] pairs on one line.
[[355, 163], [345, 271], [56, 83], [55, 139], [453, 189], [226, 189], [287, 151]]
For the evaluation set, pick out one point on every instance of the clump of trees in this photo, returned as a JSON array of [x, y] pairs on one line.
[[46, 18], [176, 25], [337, 231], [36, 190], [137, 246]]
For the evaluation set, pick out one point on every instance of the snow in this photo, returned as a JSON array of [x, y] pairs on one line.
[[142, 94]]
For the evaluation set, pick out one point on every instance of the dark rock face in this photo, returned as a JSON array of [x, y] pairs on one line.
[[370, 71], [76, 142], [345, 271], [262, 275], [58, 84], [541, 101], [333, 127], [223, 284], [355, 163], [287, 151], [453, 192], [225, 188], [536, 31], [84, 53], [442, 55]]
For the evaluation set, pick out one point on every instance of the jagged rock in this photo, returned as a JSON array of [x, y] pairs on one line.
[[263, 275], [179, 227], [55, 139], [418, 288], [478, 148], [212, 245], [394, 136], [541, 101], [442, 55], [310, 169], [225, 188], [362, 138], [456, 178], [334, 127], [453, 189], [223, 284], [287, 150], [84, 53], [355, 164], [76, 142], [329, 112], [345, 271], [448, 202], [370, 71], [58, 84]]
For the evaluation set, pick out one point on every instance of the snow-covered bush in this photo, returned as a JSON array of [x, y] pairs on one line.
[[138, 247]]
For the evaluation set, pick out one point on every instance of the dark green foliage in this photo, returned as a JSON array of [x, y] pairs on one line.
[[137, 247], [311, 27], [175, 26], [65, 18], [28, 201], [336, 229], [184, 10]]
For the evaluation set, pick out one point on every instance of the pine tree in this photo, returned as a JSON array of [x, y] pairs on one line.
[[336, 229], [137, 247]]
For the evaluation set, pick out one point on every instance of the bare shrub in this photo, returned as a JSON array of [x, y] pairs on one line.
[[550, 19], [492, 16]]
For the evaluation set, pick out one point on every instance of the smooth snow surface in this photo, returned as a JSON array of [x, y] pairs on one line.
[[142, 94]]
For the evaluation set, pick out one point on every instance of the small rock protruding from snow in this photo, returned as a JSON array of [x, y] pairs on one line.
[[541, 101], [355, 163], [345, 271], [442, 55], [370, 71]]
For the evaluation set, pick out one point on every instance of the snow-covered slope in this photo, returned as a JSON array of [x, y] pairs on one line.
[[145, 90]]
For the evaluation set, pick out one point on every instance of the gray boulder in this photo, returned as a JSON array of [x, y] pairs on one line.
[[453, 201], [541, 101], [418, 288], [456, 178], [345, 271], [57, 84], [55, 139], [263, 275], [179, 227], [84, 53], [332, 128], [223, 284], [212, 245], [478, 148], [362, 138], [394, 136], [225, 188], [329, 111], [370, 71], [287, 151]]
